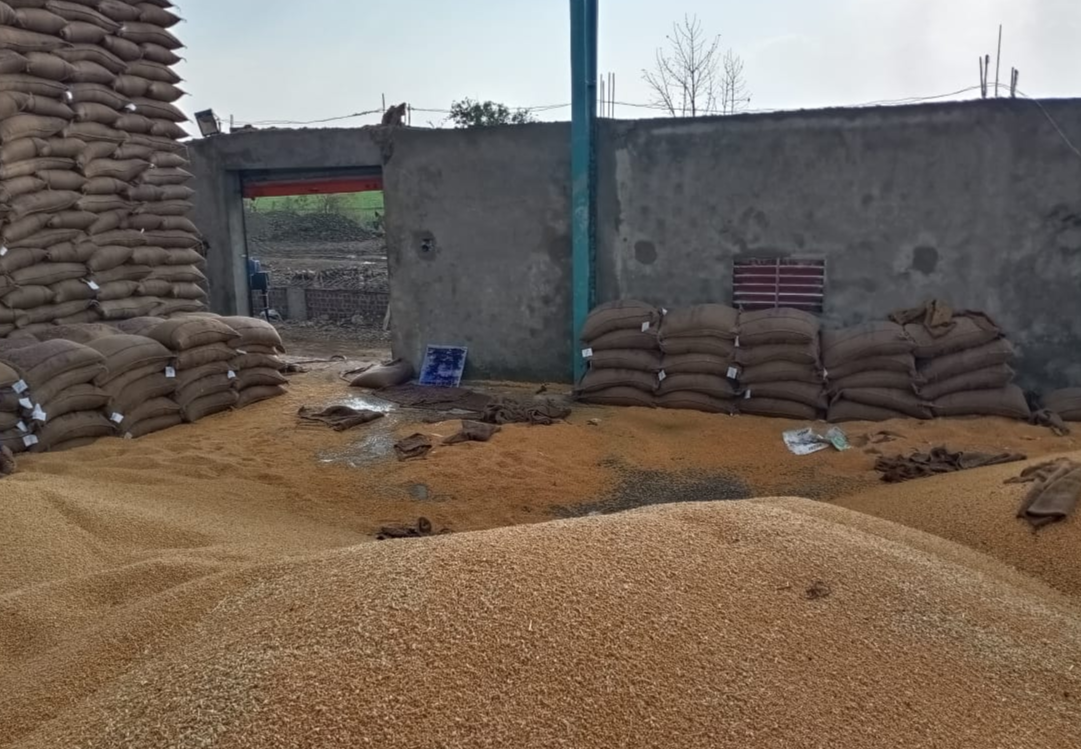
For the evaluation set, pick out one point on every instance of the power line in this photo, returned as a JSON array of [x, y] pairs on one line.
[[1054, 124]]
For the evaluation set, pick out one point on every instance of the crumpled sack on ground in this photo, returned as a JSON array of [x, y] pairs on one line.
[[340, 418], [1055, 495], [379, 376], [436, 398], [473, 431], [420, 530], [538, 413], [939, 460], [1051, 420], [413, 447]]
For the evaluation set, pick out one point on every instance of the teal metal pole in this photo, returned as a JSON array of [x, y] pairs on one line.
[[583, 169]]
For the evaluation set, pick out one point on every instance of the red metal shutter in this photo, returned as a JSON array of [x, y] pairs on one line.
[[765, 283]]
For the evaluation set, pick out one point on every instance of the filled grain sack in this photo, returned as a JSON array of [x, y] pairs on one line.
[[374, 377], [619, 315], [258, 393], [778, 365], [1008, 402], [184, 333], [72, 430], [871, 374]]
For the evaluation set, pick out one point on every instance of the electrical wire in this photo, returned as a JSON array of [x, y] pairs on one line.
[[1054, 124]]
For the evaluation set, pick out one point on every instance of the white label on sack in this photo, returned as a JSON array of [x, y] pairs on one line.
[[26, 403], [21, 426], [39, 414], [242, 352], [664, 312], [662, 376], [3, 250], [733, 373], [30, 440], [747, 395], [645, 327], [129, 436], [20, 387], [737, 341], [232, 375], [68, 96], [825, 374], [129, 107], [587, 353], [116, 418], [170, 372], [93, 285]]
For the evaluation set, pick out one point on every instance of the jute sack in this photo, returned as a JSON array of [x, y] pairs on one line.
[[201, 355], [30, 126], [251, 395], [39, 363], [712, 385], [118, 10], [259, 377], [45, 201], [619, 315], [152, 426], [252, 331], [870, 340], [778, 409], [70, 252], [21, 40], [903, 401], [1066, 403], [991, 354], [1008, 402], [119, 385], [125, 272], [626, 339], [780, 371], [123, 353], [775, 326], [252, 361], [377, 377], [614, 396], [159, 54], [605, 379], [968, 331], [83, 334], [139, 325], [171, 307], [205, 387], [8, 376], [140, 391], [78, 32], [46, 274], [84, 397], [799, 392], [686, 400], [988, 378], [123, 48], [150, 33], [125, 309], [190, 291], [640, 359], [210, 404], [701, 321], [81, 425], [893, 363], [74, 53], [80, 220], [51, 312], [841, 411], [151, 409], [712, 346], [111, 292], [708, 364], [797, 353], [880, 378], [28, 297], [19, 258], [187, 377], [57, 385]]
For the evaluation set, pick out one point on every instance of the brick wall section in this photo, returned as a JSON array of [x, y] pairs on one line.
[[335, 304], [278, 301]]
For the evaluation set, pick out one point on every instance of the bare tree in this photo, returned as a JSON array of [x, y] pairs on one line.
[[691, 77]]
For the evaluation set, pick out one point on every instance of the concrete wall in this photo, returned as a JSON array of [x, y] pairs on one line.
[[220, 162], [478, 236], [977, 203]]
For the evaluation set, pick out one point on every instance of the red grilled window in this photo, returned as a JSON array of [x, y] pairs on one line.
[[766, 283]]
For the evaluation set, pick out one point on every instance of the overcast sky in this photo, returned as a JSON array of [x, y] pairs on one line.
[[301, 60]]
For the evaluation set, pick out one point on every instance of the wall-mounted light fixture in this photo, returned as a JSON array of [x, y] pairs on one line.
[[208, 123]]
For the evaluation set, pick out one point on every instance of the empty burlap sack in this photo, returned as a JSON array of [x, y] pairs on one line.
[[619, 315], [842, 411], [376, 377], [1066, 403], [124, 353], [151, 426], [902, 401], [711, 385], [78, 426], [210, 404], [184, 333], [862, 342], [994, 353], [1008, 402], [988, 378], [259, 393], [966, 330], [686, 400], [604, 379], [701, 321], [776, 408], [618, 396], [776, 326], [808, 394], [83, 397], [640, 359]]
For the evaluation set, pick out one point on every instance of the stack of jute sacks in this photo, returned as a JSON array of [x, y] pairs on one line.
[[93, 189], [699, 346], [203, 349], [13, 428], [779, 364], [871, 374], [60, 400], [963, 362], [623, 353], [137, 384], [257, 365]]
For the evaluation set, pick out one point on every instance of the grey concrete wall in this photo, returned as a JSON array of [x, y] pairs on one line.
[[478, 237], [977, 203], [218, 163]]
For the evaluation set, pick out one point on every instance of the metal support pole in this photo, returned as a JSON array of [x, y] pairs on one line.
[[583, 168]]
